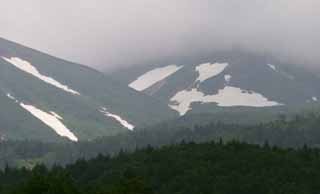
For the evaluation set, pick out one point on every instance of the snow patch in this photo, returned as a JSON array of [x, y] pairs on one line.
[[123, 122], [182, 100], [208, 70], [273, 67], [232, 96], [51, 119], [28, 68], [2, 137], [227, 78], [314, 98], [12, 97], [226, 97], [151, 77]]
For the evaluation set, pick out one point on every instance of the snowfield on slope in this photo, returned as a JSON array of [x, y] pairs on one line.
[[51, 119], [123, 122], [182, 101], [226, 97], [208, 70], [28, 68], [152, 77]]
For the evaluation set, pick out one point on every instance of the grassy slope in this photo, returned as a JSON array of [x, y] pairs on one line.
[[248, 71], [80, 113]]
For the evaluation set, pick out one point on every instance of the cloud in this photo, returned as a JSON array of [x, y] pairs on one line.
[[115, 33]]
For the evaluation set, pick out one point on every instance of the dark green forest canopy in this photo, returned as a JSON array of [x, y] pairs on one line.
[[205, 168]]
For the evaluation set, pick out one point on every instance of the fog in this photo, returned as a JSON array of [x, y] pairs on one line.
[[112, 34]]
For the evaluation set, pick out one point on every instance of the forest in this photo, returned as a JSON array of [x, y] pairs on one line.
[[214, 167], [281, 156]]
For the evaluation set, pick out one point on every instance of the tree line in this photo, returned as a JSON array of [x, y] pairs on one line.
[[214, 167]]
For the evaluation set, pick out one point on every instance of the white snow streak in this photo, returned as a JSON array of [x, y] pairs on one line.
[[51, 119], [208, 70], [314, 98], [28, 68], [12, 97], [226, 97], [227, 78], [152, 77], [273, 67], [123, 122]]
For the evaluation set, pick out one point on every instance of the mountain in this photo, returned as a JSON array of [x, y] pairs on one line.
[[226, 81], [46, 98], [49, 99]]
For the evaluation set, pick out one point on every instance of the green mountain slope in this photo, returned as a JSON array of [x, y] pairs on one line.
[[287, 131], [81, 113], [246, 81]]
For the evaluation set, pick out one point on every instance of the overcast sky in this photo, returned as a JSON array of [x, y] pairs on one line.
[[117, 33]]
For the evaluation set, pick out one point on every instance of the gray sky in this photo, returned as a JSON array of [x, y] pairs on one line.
[[117, 33]]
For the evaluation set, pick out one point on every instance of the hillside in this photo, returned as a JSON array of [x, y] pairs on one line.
[[46, 98], [224, 81], [294, 131]]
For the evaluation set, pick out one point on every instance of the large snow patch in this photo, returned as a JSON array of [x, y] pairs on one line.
[[152, 77], [208, 70], [226, 97]]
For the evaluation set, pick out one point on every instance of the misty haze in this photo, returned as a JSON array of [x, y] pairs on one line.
[[159, 97], [112, 34]]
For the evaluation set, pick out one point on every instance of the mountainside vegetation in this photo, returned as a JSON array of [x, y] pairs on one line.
[[283, 132], [80, 112], [286, 83], [128, 141]]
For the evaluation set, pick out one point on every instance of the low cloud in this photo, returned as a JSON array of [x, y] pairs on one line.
[[116, 33]]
